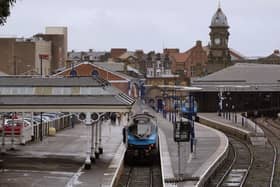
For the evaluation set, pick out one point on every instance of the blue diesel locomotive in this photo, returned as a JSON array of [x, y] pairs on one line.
[[141, 136]]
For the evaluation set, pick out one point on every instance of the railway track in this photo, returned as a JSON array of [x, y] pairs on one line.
[[140, 176], [272, 131], [273, 124], [235, 170], [264, 161], [144, 172]]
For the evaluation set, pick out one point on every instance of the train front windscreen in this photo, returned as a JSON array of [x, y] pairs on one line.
[[141, 127]]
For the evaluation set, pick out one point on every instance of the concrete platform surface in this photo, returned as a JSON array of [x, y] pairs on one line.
[[211, 145], [242, 125], [59, 160], [236, 121]]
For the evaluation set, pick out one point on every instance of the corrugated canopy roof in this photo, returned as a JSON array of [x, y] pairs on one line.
[[60, 94], [48, 81], [264, 77]]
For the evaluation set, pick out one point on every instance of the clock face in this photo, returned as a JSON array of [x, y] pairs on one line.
[[217, 41]]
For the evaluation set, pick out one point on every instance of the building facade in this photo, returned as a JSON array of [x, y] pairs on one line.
[[58, 38], [191, 63], [239, 88], [21, 56], [60, 31]]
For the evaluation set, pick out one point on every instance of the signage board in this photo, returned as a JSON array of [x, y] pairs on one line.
[[181, 131], [44, 56]]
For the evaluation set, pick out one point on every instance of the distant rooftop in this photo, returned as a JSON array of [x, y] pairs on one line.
[[54, 81], [266, 76]]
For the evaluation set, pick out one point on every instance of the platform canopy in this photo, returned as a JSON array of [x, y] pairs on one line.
[[242, 77], [181, 88], [76, 94]]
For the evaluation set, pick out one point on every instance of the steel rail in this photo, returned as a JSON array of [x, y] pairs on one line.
[[129, 177], [222, 180], [151, 176], [250, 166], [274, 165], [271, 123], [229, 168], [274, 149]]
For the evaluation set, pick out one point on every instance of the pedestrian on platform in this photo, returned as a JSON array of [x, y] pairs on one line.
[[72, 120], [119, 118], [113, 118]]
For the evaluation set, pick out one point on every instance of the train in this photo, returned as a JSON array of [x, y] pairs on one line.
[[141, 136]]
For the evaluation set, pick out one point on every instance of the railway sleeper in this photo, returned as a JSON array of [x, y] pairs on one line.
[[181, 179]]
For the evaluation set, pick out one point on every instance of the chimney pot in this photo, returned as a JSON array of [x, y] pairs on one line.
[[198, 43]]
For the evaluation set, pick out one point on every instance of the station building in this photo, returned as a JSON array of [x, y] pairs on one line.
[[241, 87]]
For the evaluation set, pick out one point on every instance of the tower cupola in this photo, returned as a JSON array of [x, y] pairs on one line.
[[219, 19]]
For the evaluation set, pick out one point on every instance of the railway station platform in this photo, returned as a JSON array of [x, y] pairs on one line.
[[237, 121], [211, 149], [237, 125], [67, 150]]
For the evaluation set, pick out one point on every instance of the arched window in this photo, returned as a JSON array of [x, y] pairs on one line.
[[94, 73], [73, 73]]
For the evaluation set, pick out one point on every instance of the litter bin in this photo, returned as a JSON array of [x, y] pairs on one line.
[[52, 131]]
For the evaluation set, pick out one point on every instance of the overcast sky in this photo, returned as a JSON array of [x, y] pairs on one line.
[[149, 24]]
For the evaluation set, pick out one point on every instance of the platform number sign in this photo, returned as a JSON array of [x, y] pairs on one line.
[[182, 131]]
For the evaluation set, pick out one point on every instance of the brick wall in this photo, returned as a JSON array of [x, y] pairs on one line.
[[86, 70]]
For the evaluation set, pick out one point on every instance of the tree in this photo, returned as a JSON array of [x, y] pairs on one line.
[[5, 6]]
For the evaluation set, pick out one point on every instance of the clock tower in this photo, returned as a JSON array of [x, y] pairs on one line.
[[219, 55]]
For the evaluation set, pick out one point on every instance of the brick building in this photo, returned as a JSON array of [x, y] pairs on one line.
[[117, 52], [191, 63], [117, 79]]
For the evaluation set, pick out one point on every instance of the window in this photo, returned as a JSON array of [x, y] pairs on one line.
[[192, 71], [16, 91], [61, 91]]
